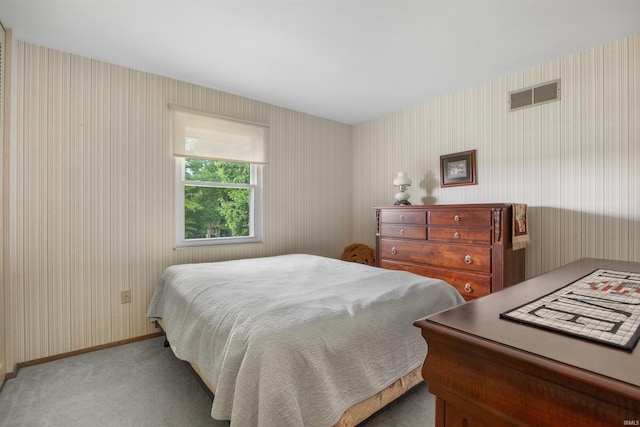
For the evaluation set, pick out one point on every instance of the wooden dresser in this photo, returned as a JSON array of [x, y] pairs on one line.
[[468, 246], [489, 371]]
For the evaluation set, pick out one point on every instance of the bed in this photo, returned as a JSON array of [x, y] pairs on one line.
[[298, 340]]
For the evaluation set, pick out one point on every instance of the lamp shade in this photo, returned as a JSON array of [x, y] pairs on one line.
[[401, 179]]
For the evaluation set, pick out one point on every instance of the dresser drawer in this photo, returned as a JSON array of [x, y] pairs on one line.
[[460, 217], [480, 236], [473, 258], [469, 285], [403, 216], [403, 231], [460, 244]]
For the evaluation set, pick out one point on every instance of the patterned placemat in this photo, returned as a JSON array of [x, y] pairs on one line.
[[603, 306]]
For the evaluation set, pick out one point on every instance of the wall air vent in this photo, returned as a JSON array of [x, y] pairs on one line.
[[534, 95]]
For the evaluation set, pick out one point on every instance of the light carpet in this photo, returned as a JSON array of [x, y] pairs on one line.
[[142, 384]]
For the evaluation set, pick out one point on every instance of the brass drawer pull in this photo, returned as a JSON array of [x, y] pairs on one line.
[[394, 250], [456, 235], [467, 288], [467, 259], [401, 217], [456, 218], [402, 231]]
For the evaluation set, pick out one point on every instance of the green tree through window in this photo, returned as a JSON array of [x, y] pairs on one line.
[[216, 199]]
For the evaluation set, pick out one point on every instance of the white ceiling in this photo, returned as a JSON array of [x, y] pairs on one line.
[[349, 60]]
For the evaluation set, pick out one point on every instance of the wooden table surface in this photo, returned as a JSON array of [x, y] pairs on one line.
[[468, 339]]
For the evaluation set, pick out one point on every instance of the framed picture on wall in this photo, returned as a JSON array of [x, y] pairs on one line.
[[458, 169]]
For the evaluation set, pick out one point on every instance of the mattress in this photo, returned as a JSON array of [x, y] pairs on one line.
[[295, 339]]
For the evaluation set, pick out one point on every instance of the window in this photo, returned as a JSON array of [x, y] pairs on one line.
[[218, 179]]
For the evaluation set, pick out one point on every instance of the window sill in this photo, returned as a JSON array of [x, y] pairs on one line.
[[212, 243]]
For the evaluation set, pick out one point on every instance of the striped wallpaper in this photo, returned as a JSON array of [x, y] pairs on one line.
[[575, 162], [89, 196], [92, 196], [3, 168]]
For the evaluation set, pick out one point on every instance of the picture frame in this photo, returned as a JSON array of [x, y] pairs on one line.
[[458, 169]]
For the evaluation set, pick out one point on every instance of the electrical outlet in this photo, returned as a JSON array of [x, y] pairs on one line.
[[125, 297]]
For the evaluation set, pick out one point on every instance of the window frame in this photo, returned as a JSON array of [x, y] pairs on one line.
[[255, 208]]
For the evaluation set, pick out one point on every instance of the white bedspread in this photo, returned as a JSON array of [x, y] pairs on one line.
[[295, 340]]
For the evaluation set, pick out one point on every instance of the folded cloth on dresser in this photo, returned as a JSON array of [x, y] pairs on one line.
[[520, 238]]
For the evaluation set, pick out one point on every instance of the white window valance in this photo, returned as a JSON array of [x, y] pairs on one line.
[[218, 138]]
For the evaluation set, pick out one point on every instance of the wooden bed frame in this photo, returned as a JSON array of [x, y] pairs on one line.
[[352, 416]]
